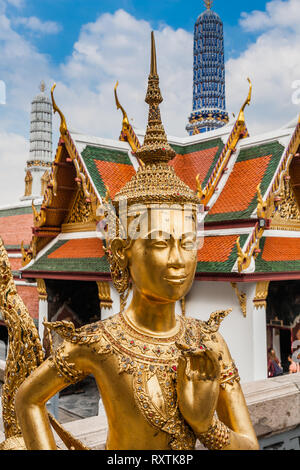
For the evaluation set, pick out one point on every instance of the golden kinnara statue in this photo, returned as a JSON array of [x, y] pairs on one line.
[[164, 380]]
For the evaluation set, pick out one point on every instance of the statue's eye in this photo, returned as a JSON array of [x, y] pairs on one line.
[[188, 245]]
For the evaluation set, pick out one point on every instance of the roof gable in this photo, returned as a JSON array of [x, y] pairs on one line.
[[253, 166]]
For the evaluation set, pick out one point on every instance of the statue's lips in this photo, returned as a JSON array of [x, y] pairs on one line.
[[176, 280]]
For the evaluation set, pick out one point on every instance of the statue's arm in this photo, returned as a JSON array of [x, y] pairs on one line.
[[69, 365], [232, 409]]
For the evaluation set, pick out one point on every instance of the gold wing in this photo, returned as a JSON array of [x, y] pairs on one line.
[[25, 354]]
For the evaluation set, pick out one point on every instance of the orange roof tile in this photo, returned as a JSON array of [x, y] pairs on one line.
[[216, 248], [188, 166], [281, 249], [114, 175], [30, 298], [16, 228], [241, 185], [80, 248], [15, 263]]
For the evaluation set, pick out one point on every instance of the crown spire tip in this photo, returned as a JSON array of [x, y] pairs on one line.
[[208, 4], [153, 67]]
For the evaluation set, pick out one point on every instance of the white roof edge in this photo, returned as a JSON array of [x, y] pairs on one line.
[[259, 139], [282, 233], [62, 236], [21, 204], [227, 231], [83, 139]]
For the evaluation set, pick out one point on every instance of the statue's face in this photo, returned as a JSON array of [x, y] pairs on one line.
[[162, 260]]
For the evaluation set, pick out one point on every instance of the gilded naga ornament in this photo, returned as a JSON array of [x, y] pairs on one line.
[[165, 380]]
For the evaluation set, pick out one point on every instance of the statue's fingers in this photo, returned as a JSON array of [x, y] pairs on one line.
[[212, 365], [181, 369]]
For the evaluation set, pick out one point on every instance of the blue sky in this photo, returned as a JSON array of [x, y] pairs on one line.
[[72, 14], [85, 46]]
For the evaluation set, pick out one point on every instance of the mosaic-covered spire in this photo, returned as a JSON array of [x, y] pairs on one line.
[[40, 155], [209, 107]]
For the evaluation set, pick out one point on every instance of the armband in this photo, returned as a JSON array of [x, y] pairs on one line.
[[229, 375]]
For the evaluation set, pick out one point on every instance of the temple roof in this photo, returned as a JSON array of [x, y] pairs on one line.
[[253, 165], [239, 176], [16, 222], [71, 253]]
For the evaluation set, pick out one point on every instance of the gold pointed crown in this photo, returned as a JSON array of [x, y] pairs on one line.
[[155, 181]]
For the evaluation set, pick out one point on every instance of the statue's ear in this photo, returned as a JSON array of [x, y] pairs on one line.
[[118, 248]]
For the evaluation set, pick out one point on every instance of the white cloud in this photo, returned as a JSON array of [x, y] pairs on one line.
[[272, 62], [117, 47], [14, 149], [36, 25], [279, 13]]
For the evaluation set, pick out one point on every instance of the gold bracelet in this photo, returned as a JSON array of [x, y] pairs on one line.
[[216, 437], [229, 375]]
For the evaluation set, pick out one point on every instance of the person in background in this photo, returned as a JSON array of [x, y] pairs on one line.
[[274, 365], [294, 366]]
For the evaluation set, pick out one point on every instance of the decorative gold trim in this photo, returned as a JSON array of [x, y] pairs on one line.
[[287, 215], [241, 116], [63, 125], [44, 182], [263, 211], [242, 298], [238, 132], [41, 288], [261, 294], [78, 227], [26, 255], [28, 183], [104, 294], [127, 132]]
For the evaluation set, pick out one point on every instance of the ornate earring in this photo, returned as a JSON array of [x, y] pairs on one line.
[[119, 273]]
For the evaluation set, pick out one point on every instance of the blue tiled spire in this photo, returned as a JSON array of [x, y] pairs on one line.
[[209, 108]]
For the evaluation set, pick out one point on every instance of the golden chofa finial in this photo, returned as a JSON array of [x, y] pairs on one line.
[[63, 125], [125, 121], [208, 4], [155, 148], [241, 117]]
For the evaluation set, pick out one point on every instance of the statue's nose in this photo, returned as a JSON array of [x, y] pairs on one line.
[[175, 256]]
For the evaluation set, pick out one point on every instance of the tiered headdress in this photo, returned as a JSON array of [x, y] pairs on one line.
[[155, 182]]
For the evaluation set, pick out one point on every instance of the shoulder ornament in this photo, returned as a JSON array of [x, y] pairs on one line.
[[212, 325], [87, 334]]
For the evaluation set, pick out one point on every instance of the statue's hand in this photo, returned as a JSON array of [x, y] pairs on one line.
[[198, 376]]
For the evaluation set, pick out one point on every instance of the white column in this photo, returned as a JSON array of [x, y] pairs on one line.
[[43, 306], [260, 360]]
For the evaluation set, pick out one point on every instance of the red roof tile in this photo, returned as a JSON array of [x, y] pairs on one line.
[[281, 249], [81, 248], [114, 175], [16, 263], [16, 228], [241, 186], [188, 166], [216, 248], [30, 298]]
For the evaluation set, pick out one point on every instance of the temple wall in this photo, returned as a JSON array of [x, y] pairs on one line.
[[245, 336]]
